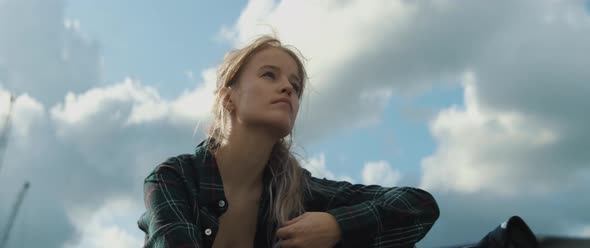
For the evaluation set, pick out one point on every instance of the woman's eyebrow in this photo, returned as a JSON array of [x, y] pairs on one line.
[[273, 67], [276, 68]]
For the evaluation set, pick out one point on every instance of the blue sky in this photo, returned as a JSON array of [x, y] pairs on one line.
[[480, 103], [156, 41], [398, 138]]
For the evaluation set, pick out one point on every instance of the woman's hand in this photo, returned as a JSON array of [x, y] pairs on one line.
[[311, 229]]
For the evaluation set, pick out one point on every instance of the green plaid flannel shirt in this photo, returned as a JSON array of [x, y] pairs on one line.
[[184, 198]]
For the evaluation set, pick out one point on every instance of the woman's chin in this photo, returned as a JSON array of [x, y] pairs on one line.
[[281, 128], [280, 125]]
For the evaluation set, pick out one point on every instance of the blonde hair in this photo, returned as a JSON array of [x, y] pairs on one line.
[[288, 182]]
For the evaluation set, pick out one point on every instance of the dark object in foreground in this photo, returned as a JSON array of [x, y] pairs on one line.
[[515, 233], [512, 233]]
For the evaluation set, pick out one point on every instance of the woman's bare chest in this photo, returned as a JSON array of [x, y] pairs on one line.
[[237, 226]]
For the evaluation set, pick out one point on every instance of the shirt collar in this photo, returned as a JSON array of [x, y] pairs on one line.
[[210, 184]]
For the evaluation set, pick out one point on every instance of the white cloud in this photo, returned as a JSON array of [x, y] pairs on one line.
[[26, 114], [129, 103], [72, 24], [196, 104], [111, 225], [317, 167], [61, 174], [83, 107], [69, 154], [524, 123], [377, 172], [380, 173], [483, 149]]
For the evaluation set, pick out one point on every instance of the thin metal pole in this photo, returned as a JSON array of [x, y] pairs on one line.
[[12, 216], [6, 131]]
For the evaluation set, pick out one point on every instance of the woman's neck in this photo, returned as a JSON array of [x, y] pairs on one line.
[[242, 158]]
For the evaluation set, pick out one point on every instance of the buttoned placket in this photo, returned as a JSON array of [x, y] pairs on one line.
[[210, 229], [210, 233], [209, 225]]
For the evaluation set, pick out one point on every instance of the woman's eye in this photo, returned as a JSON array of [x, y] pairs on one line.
[[297, 88], [269, 74]]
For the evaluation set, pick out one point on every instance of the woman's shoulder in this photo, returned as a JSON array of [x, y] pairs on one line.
[[184, 165], [181, 165]]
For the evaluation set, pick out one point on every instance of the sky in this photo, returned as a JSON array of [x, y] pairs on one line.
[[481, 103]]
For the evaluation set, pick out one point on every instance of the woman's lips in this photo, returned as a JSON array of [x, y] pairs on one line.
[[285, 103]]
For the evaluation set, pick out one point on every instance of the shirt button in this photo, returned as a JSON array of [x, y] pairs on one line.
[[221, 203], [208, 231]]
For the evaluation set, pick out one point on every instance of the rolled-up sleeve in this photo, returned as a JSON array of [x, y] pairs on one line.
[[169, 219], [375, 216]]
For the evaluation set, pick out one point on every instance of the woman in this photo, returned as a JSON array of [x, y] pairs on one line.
[[243, 188]]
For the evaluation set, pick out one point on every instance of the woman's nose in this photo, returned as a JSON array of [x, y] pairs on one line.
[[287, 87]]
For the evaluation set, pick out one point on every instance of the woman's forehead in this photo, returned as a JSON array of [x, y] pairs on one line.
[[276, 57]]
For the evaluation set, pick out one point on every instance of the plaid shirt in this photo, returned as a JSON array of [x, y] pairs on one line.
[[184, 198]]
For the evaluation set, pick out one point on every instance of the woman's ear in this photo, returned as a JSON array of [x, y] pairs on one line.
[[226, 93]]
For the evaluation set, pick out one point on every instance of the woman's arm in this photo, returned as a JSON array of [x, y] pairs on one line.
[[169, 218], [375, 215]]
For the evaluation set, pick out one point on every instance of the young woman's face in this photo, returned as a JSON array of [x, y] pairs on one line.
[[271, 75]]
